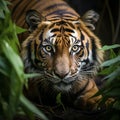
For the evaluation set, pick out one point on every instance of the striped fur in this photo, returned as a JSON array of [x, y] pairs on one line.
[[61, 48]]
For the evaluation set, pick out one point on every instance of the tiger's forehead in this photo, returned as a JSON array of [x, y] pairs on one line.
[[56, 31]]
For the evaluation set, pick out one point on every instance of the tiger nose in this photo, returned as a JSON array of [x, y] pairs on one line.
[[61, 74]]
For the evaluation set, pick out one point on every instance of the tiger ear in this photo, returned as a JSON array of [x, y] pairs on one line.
[[33, 18], [90, 18]]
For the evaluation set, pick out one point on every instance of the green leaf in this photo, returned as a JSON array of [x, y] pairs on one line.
[[111, 61], [4, 69], [58, 101], [108, 47], [3, 5], [113, 75], [117, 105], [2, 15], [114, 92], [14, 59], [31, 75], [32, 108], [20, 30], [12, 77], [107, 70]]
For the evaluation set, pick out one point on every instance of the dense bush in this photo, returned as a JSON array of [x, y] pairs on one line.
[[111, 88], [12, 76]]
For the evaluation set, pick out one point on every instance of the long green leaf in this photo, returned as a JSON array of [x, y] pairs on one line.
[[108, 47], [111, 61], [114, 92], [113, 75], [117, 105], [20, 30], [32, 108], [14, 60]]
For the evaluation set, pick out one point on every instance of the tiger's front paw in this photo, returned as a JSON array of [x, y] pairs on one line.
[[84, 103]]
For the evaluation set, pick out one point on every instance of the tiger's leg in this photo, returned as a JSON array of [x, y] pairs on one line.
[[85, 99]]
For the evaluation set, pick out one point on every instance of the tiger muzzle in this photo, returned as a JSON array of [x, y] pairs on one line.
[[62, 67], [61, 75]]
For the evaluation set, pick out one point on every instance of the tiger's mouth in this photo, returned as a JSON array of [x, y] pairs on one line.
[[62, 84], [56, 80]]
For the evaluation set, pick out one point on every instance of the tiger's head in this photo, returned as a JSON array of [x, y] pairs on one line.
[[62, 50]]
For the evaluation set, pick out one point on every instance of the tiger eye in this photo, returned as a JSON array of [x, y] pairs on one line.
[[75, 48], [48, 48]]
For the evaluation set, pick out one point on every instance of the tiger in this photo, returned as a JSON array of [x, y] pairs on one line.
[[61, 47]]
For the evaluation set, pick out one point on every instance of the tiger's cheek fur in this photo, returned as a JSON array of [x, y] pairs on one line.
[[49, 65], [74, 66]]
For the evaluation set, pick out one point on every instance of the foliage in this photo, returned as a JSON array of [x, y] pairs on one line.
[[12, 76], [112, 81], [59, 102]]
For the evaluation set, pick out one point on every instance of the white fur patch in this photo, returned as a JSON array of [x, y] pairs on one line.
[[90, 56], [48, 34], [47, 22], [75, 34]]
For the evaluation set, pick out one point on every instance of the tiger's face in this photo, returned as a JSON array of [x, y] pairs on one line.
[[63, 52]]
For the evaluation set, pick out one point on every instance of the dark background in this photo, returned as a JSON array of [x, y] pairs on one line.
[[108, 26]]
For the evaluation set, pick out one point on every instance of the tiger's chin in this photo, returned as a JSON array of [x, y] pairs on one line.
[[63, 87]]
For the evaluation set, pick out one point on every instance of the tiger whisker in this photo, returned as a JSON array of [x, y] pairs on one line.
[[89, 69], [87, 72]]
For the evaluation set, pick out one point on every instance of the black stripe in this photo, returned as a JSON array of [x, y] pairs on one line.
[[23, 9], [16, 6], [36, 61], [33, 63], [61, 22], [55, 5], [82, 36], [93, 48], [53, 35], [41, 35], [82, 90], [29, 54], [61, 12], [58, 12], [72, 36], [70, 13], [87, 47], [68, 30], [35, 50], [55, 30], [51, 26], [71, 25]]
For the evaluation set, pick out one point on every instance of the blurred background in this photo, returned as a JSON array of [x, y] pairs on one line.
[[108, 26]]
